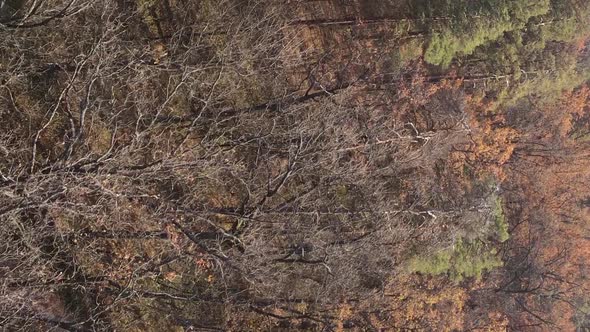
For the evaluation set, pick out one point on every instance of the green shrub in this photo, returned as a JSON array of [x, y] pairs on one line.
[[500, 220], [474, 26], [433, 265], [147, 9], [441, 49], [464, 260]]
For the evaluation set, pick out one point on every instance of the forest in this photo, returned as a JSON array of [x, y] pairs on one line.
[[294, 165]]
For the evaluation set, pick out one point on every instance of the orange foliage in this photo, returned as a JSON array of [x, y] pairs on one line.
[[556, 185], [493, 141], [432, 303], [572, 105]]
